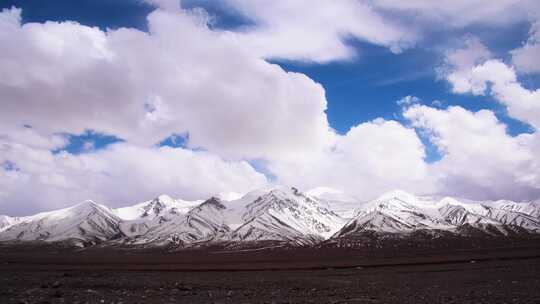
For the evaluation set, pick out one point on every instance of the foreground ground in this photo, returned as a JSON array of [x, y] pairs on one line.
[[492, 276]]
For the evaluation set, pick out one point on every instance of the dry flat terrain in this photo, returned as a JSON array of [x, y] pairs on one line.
[[329, 276]]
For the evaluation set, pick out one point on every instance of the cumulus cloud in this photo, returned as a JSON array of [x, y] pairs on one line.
[[408, 100], [471, 71], [521, 103], [479, 159], [525, 58], [317, 31], [30, 137], [460, 13], [438, 103], [459, 64], [373, 157], [320, 31], [180, 77], [119, 175]]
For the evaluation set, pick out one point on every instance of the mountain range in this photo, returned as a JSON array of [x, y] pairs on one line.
[[281, 215]]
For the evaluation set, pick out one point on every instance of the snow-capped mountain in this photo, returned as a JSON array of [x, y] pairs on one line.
[[530, 209], [201, 224], [85, 223], [140, 218], [6, 221], [395, 212], [278, 214], [458, 215], [161, 206], [400, 212], [282, 214]]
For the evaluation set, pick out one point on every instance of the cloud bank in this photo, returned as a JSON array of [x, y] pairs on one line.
[[182, 77]]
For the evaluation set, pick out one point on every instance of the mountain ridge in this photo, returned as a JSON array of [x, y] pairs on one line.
[[281, 215]]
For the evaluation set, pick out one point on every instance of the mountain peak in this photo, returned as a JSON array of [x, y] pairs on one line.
[[6, 221], [214, 202], [164, 198], [85, 205], [283, 191], [276, 213], [398, 194], [81, 210], [86, 222]]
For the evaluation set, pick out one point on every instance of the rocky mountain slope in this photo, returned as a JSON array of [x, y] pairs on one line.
[[277, 215], [140, 218], [281, 215], [84, 224], [6, 221], [402, 213]]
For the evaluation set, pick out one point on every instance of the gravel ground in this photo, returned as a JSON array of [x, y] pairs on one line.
[[495, 281]]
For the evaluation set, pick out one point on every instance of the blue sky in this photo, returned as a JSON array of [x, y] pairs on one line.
[[102, 13], [200, 96]]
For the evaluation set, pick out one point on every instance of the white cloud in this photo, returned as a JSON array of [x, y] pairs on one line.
[[184, 78], [408, 100], [181, 77], [370, 159], [30, 137], [460, 13], [165, 4], [118, 175], [522, 104], [470, 71], [459, 64], [438, 103], [480, 160], [317, 31], [472, 53], [525, 58], [88, 146]]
